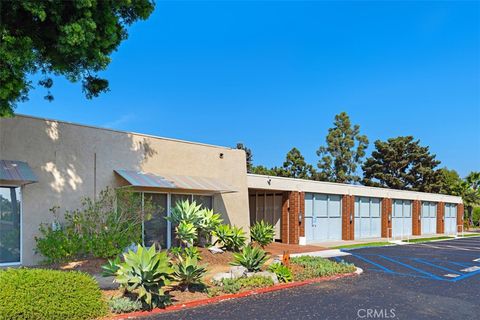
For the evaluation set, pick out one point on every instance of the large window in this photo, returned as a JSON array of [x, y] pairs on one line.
[[156, 229], [9, 225]]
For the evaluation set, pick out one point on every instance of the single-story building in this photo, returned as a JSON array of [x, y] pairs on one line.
[[46, 163]]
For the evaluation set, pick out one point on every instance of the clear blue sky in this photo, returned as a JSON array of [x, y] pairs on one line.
[[274, 74]]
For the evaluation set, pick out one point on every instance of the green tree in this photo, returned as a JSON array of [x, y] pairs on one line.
[[295, 166], [343, 153], [402, 163], [449, 180], [71, 38], [469, 190], [248, 156]]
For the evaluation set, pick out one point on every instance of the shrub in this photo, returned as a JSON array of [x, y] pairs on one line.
[[230, 285], [49, 294], [188, 272], [102, 228], [124, 305], [186, 233], [315, 267], [251, 258], [284, 274], [231, 238], [254, 282], [262, 233], [146, 272]]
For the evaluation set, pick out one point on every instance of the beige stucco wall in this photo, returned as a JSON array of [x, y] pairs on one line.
[[62, 155]]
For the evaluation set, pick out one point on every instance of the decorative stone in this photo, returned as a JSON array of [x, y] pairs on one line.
[[218, 277], [238, 271], [215, 250]]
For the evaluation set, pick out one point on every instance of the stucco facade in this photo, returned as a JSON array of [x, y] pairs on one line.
[[72, 161]]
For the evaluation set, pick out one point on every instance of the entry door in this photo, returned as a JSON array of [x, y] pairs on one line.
[[323, 217], [450, 218], [429, 218], [402, 218], [368, 223]]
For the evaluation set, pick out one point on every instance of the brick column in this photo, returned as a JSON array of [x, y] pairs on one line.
[[460, 213], [348, 227], [440, 215], [386, 212], [293, 211], [302, 211], [416, 223], [284, 219]]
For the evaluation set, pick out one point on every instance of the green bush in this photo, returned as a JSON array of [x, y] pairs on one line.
[[234, 285], [124, 305], [251, 258], [255, 282], [188, 272], [284, 274], [230, 285], [231, 238], [146, 272], [262, 233], [315, 267], [49, 294], [102, 228]]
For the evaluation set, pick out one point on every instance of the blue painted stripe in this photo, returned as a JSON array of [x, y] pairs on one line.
[[410, 275], [433, 276], [435, 266], [468, 275], [373, 263]]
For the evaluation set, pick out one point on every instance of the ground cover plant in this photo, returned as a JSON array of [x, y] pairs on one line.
[[307, 267], [34, 294]]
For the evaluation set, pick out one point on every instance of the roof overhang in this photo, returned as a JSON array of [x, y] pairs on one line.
[[174, 182], [16, 173]]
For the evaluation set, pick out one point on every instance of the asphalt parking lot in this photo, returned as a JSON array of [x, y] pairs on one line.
[[435, 280]]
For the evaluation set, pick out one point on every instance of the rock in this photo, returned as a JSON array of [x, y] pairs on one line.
[[266, 274], [215, 250], [238, 271], [218, 277], [106, 283]]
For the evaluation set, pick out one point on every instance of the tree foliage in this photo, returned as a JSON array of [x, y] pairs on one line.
[[402, 163], [248, 156], [449, 181], [71, 38], [343, 153]]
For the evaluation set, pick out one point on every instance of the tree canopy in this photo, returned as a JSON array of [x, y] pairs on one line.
[[70, 38], [295, 166], [402, 163], [248, 156], [343, 153]]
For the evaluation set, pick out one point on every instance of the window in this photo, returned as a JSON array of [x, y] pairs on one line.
[[9, 225]]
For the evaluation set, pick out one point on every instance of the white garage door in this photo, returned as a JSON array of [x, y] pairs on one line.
[[368, 223], [323, 217], [429, 218], [450, 218], [401, 218]]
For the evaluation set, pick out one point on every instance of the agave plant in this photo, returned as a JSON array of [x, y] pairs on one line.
[[186, 233], [231, 238], [207, 224], [284, 274], [188, 272], [262, 233], [111, 268], [251, 258], [145, 272], [185, 211]]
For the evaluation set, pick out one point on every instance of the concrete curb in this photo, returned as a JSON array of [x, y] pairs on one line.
[[202, 302]]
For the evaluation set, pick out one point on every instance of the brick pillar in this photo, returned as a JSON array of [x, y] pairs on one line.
[[348, 227], [386, 212], [302, 212], [293, 211], [440, 215], [416, 223], [460, 213], [284, 219]]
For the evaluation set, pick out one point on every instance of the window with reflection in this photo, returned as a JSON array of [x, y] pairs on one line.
[[9, 225]]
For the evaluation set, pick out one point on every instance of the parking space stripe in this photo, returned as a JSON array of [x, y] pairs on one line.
[[411, 267], [385, 269], [435, 266]]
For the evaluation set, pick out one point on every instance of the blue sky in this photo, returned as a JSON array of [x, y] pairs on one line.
[[273, 75]]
